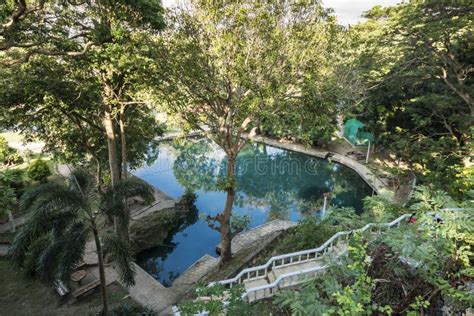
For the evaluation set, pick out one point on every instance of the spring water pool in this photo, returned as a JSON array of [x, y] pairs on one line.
[[272, 183]]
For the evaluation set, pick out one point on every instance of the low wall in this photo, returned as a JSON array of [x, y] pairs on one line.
[[365, 173]]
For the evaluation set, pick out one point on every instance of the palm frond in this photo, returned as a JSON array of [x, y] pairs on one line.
[[74, 238], [41, 192], [40, 221], [133, 186], [82, 181], [51, 208], [49, 259], [37, 247], [22, 243], [122, 255], [53, 214], [62, 252], [113, 203]]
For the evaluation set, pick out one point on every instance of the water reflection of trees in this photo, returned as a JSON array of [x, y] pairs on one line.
[[277, 180], [157, 255], [198, 165]]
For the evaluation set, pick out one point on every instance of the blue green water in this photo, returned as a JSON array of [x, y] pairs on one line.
[[272, 183]]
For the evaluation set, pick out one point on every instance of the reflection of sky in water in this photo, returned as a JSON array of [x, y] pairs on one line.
[[278, 192]]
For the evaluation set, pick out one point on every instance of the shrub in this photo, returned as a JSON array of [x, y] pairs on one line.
[[4, 149], [129, 309], [14, 178], [13, 158], [8, 155], [379, 209], [38, 170]]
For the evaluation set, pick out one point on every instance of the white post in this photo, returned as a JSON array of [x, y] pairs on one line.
[[12, 221], [325, 204], [368, 154]]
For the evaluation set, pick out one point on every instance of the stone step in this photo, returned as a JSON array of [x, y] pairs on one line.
[[250, 237], [276, 272], [250, 284]]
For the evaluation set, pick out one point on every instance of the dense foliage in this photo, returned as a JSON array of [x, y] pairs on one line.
[[414, 268], [61, 218], [416, 60], [78, 77], [88, 78], [38, 170], [8, 155]]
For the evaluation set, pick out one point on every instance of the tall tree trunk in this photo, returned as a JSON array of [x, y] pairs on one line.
[[112, 150], [225, 229], [123, 141], [111, 145], [103, 289], [99, 175], [125, 227]]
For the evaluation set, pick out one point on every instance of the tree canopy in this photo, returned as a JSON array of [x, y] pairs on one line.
[[417, 60]]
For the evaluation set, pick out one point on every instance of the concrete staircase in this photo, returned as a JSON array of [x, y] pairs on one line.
[[288, 275], [292, 269]]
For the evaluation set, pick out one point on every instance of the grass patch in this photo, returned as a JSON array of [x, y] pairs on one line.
[[20, 295]]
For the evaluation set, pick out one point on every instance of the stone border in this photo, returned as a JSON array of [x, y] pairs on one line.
[[153, 294], [365, 173]]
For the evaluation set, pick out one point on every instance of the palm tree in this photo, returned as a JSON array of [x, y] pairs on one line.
[[65, 216]]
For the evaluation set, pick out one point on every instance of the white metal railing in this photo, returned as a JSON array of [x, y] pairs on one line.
[[299, 256], [283, 281], [296, 277]]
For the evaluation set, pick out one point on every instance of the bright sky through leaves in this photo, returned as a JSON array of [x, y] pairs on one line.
[[347, 11]]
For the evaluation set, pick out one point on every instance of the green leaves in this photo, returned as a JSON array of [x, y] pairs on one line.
[[123, 257], [114, 196], [38, 170], [418, 100], [215, 296]]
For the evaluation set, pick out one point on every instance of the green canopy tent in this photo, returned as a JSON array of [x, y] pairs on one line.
[[354, 133]]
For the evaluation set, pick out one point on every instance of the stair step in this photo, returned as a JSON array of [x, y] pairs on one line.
[[276, 272], [250, 284]]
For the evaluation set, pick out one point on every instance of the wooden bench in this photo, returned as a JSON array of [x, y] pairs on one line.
[[85, 290]]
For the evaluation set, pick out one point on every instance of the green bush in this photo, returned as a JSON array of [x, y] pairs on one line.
[[15, 179], [4, 149], [38, 170], [8, 155], [379, 209], [14, 158], [129, 310]]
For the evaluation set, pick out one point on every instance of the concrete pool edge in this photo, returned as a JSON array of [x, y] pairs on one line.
[[151, 293], [365, 173]]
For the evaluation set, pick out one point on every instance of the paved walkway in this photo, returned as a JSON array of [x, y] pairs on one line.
[[162, 201], [174, 135], [250, 237], [151, 293], [4, 249], [63, 170], [6, 227]]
